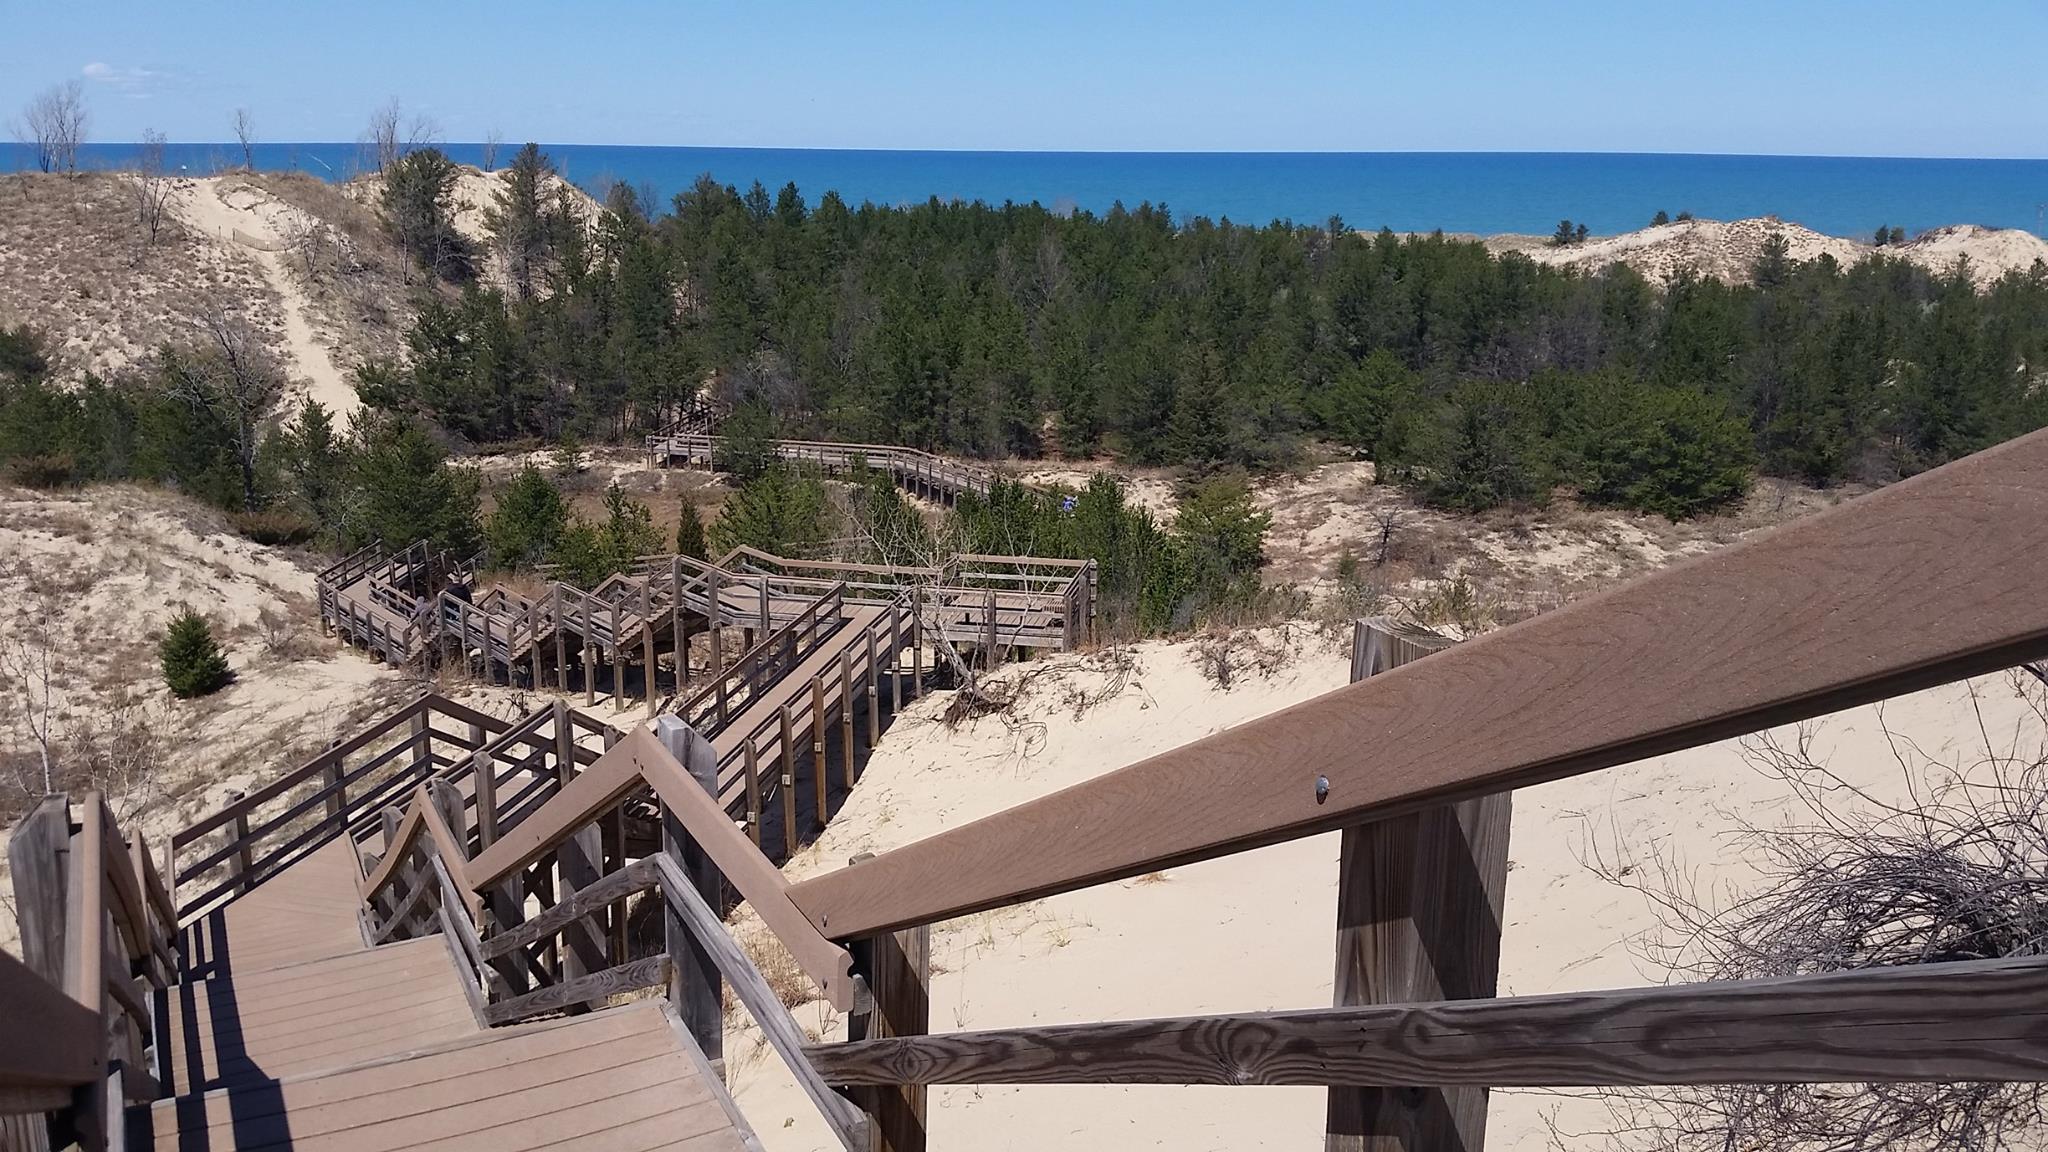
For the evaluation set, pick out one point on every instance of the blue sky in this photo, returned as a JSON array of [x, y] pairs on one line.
[[1962, 78]]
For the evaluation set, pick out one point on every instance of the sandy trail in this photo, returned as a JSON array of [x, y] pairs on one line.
[[245, 219]]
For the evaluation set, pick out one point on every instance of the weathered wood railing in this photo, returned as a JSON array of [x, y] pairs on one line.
[[1925, 582], [992, 602], [230, 850], [736, 687], [925, 473], [573, 953], [758, 761], [98, 940]]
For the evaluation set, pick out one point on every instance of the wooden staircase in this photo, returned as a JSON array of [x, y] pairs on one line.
[[448, 965], [290, 1031]]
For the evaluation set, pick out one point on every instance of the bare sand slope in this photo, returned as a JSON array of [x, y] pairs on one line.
[[75, 263], [102, 574], [1728, 249], [1254, 931], [258, 227]]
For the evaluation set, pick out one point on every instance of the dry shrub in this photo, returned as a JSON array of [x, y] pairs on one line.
[[44, 473], [275, 526], [1224, 657], [288, 636], [1958, 870]]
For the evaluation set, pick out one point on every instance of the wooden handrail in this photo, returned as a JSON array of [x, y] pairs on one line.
[[71, 1012], [639, 761], [421, 817], [1971, 1020], [846, 1122], [780, 647], [1926, 581], [285, 783], [68, 1048]]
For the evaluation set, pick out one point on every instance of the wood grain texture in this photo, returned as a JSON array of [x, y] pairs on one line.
[[898, 968], [1419, 914], [1924, 582], [1980, 1020], [635, 877], [644, 973], [35, 857], [756, 878]]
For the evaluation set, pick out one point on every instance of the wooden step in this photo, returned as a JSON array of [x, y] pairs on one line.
[[257, 1028], [306, 912], [613, 1081]]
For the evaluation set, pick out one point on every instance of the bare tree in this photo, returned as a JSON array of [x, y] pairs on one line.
[[236, 381], [54, 125], [1386, 522], [29, 671], [245, 132], [382, 135], [493, 140], [1957, 870], [152, 188]]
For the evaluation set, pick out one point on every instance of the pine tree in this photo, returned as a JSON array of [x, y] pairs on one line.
[[690, 533], [193, 663], [401, 488], [527, 522], [1661, 218], [517, 218]]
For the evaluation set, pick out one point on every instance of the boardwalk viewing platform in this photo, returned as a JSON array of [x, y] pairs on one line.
[[455, 931]]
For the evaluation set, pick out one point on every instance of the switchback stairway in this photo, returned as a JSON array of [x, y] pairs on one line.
[[443, 965]]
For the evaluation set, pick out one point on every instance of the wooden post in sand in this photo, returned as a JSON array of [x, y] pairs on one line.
[[1418, 918], [897, 969]]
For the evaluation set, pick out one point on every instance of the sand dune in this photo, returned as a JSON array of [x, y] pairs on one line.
[[1254, 931], [262, 229], [1728, 250]]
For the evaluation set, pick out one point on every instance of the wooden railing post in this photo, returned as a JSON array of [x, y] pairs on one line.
[[555, 621], [336, 787], [422, 743], [647, 639], [243, 859], [1419, 901], [820, 791], [695, 988], [897, 969], [678, 625], [788, 779]]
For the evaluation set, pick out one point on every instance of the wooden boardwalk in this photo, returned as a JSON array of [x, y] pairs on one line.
[[289, 1031]]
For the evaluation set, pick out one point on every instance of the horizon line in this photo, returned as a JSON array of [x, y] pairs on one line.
[[508, 143]]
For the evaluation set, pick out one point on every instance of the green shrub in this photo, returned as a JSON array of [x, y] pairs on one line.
[[59, 470], [279, 526], [193, 663], [527, 522], [784, 510], [588, 552], [690, 533]]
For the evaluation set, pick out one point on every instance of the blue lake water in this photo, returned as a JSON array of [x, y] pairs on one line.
[[1482, 192]]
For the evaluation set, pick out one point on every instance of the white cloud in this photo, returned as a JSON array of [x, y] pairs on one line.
[[131, 80]]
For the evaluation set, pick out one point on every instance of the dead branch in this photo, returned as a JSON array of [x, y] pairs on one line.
[[1956, 870]]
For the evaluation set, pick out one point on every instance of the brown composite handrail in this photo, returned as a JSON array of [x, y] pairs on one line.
[[639, 761], [421, 818], [1927, 581], [69, 1049]]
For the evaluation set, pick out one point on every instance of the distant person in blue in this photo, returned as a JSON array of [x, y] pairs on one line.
[[1067, 504]]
